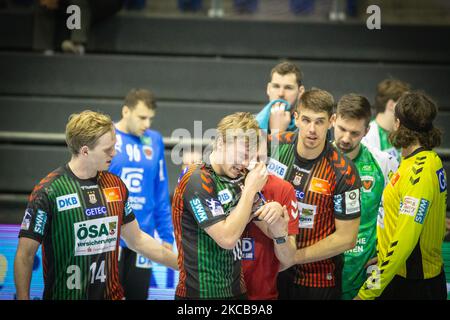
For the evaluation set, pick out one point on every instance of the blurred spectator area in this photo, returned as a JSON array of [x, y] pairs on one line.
[[201, 69]]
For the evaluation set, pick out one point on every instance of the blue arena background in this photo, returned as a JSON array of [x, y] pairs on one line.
[[162, 286]]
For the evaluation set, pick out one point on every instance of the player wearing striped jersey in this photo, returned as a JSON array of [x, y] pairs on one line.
[[388, 93], [411, 227], [374, 167], [327, 188], [212, 205], [78, 213]]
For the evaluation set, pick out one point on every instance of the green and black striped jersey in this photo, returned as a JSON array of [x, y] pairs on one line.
[[78, 224]]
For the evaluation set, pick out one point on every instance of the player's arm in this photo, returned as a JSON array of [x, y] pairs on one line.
[[139, 241], [228, 230], [23, 266], [343, 239], [163, 216]]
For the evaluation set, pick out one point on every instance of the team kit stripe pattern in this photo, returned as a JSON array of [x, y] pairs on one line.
[[85, 268]]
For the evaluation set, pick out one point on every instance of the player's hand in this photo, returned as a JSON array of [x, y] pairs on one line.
[[371, 262], [279, 118], [279, 228], [271, 212], [256, 178]]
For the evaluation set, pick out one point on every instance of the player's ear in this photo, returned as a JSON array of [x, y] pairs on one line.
[[332, 120], [84, 150], [125, 111]]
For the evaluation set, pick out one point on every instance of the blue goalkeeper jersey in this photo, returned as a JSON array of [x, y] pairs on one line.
[[140, 163]]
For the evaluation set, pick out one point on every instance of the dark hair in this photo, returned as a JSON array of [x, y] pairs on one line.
[[285, 68], [135, 95], [354, 106], [418, 112], [317, 100], [389, 89]]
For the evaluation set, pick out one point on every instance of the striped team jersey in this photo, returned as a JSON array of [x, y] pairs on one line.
[[327, 188], [201, 199], [78, 224], [411, 226]]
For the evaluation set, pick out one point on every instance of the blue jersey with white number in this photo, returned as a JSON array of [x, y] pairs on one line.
[[140, 163]]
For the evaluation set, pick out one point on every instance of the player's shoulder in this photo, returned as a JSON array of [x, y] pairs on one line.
[[153, 134], [380, 156], [285, 137], [45, 183]]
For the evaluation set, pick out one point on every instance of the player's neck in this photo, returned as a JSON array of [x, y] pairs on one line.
[[80, 169], [122, 126], [385, 120], [307, 153], [354, 153], [410, 149]]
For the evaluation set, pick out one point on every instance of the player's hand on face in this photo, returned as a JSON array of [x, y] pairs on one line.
[[256, 178], [279, 117]]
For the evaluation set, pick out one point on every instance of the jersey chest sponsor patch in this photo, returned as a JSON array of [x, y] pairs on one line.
[[112, 194], [409, 206], [67, 202], [307, 213], [352, 202], [96, 236], [320, 186], [277, 168]]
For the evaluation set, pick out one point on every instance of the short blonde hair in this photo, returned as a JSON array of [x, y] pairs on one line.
[[85, 128], [236, 125]]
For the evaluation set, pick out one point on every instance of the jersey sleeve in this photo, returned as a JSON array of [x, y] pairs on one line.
[[163, 216], [290, 201], [128, 214], [416, 199], [201, 200], [36, 220], [347, 197]]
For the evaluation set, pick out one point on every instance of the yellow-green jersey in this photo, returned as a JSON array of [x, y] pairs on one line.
[[411, 223]]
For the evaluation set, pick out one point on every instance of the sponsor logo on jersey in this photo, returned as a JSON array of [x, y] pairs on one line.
[[146, 140], [137, 203], [248, 249], [352, 203], [198, 209], [442, 179], [67, 202], [277, 168], [409, 206], [96, 236], [297, 179], [128, 208], [225, 196], [92, 212], [26, 219], [307, 213], [395, 178], [320, 186], [215, 207], [367, 183], [300, 195], [337, 199], [119, 143], [112, 194], [89, 187], [41, 220], [422, 211], [133, 177]]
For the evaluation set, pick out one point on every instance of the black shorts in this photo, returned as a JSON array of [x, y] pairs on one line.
[[134, 280], [406, 289]]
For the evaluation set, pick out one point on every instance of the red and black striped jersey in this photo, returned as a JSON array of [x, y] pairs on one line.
[[327, 188]]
